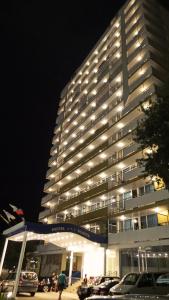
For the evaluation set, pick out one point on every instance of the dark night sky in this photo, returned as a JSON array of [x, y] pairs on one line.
[[42, 44]]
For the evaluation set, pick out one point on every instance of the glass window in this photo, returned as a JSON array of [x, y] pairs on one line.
[[128, 225], [141, 191], [149, 188], [146, 280], [152, 220], [127, 195], [162, 280], [143, 222], [130, 279], [134, 193]]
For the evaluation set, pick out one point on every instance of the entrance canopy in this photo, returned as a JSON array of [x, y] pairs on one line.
[[64, 235]]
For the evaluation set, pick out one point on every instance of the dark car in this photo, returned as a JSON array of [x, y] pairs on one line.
[[44, 284], [84, 291], [104, 287]]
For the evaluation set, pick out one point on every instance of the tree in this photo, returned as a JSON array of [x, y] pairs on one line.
[[152, 134]]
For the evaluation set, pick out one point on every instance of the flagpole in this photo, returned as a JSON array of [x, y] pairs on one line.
[[3, 255]]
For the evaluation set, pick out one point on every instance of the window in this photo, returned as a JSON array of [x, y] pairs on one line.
[[146, 280], [152, 220], [163, 280], [141, 191], [134, 193], [143, 222], [128, 225], [149, 188], [127, 195], [131, 279]]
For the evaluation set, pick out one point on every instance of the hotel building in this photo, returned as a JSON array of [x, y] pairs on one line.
[[94, 179]]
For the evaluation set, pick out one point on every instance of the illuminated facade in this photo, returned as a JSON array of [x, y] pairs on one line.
[[93, 177]]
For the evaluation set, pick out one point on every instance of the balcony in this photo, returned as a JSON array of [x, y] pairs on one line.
[[140, 202], [43, 214], [89, 217], [133, 238], [137, 172], [138, 99]]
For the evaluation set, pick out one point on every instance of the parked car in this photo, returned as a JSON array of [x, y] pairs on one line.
[[84, 291], [104, 287], [28, 283], [142, 283], [44, 284]]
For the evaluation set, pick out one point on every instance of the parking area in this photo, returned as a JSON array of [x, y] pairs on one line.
[[48, 296]]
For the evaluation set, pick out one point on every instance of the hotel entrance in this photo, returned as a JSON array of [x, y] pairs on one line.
[[83, 251]]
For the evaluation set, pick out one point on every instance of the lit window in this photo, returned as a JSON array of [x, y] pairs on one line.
[[87, 72], [121, 166], [72, 148], [50, 189], [83, 114], [85, 92], [80, 155], [96, 52], [54, 163], [69, 177], [65, 143], [86, 81], [52, 176], [64, 155], [75, 123], [76, 112], [95, 80], [81, 141], [95, 70], [89, 182], [93, 104], [87, 64], [60, 183], [88, 203], [74, 135], [66, 130], [95, 60], [139, 58], [62, 169], [77, 188], [70, 162], [102, 175], [79, 81], [82, 127]]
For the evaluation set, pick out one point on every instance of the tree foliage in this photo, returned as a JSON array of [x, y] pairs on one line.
[[153, 133]]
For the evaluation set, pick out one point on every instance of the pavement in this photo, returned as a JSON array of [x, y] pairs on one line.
[[48, 296]]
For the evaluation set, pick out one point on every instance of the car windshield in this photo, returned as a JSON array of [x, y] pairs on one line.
[[130, 279]]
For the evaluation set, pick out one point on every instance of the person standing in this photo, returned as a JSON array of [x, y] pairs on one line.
[[61, 283]]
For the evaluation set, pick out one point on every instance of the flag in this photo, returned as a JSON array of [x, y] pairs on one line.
[[9, 216], [5, 220], [17, 210]]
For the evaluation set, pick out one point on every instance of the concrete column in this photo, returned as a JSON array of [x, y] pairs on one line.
[[19, 267], [70, 268], [3, 255], [105, 261]]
